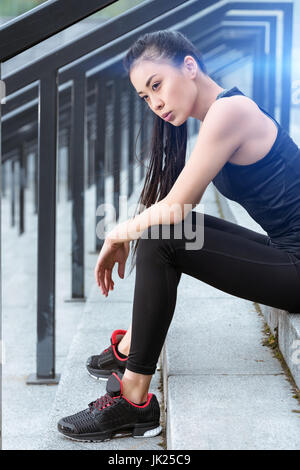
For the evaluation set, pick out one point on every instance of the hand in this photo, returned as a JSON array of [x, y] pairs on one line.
[[110, 254]]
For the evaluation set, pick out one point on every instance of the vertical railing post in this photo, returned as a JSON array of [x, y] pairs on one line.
[[123, 137], [58, 176], [69, 166], [89, 152], [47, 146], [77, 153], [150, 121], [272, 67], [12, 194], [25, 166], [131, 134], [3, 178], [100, 151], [92, 139], [143, 139], [63, 165], [117, 144], [21, 187], [36, 180], [286, 67], [258, 74], [260, 71], [140, 126]]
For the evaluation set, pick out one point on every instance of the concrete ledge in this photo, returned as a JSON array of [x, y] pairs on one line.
[[226, 418], [285, 324], [223, 389]]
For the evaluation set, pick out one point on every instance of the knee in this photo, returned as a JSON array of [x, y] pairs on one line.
[[153, 244], [149, 240]]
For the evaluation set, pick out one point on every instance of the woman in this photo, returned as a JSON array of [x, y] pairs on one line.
[[249, 158]]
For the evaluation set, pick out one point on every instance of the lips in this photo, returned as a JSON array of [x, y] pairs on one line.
[[166, 115]]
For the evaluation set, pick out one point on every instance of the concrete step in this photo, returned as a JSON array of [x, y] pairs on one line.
[[282, 323], [223, 389]]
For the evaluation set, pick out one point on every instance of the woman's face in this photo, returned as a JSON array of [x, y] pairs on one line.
[[167, 89]]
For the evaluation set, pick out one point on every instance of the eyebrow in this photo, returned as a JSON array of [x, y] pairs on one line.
[[148, 82]]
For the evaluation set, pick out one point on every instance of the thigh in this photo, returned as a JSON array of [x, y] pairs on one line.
[[230, 227], [234, 261]]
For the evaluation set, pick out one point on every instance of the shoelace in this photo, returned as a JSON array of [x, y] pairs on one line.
[[102, 402]]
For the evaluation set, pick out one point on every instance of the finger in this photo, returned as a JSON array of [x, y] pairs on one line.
[[111, 282], [101, 280], [96, 273], [121, 269], [106, 281]]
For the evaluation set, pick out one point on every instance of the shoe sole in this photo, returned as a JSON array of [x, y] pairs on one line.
[[139, 431], [96, 377], [103, 378]]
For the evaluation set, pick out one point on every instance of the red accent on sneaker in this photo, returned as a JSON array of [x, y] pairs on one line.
[[118, 378], [140, 406], [114, 339], [133, 404], [114, 342]]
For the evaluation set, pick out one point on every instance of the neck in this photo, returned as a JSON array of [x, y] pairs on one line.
[[208, 90]]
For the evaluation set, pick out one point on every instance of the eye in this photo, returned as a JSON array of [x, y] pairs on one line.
[[144, 98]]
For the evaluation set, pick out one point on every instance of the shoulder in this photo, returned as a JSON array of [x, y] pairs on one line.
[[232, 109], [231, 116], [238, 104]]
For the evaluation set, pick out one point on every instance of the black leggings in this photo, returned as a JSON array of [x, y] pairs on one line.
[[233, 259]]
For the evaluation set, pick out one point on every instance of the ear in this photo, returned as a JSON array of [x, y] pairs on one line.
[[190, 66]]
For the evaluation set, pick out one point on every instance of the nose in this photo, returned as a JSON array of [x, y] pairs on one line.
[[157, 104]]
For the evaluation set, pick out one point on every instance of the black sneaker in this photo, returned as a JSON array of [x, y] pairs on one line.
[[102, 366], [113, 415], [113, 386]]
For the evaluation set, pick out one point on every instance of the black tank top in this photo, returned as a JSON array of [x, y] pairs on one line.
[[268, 189]]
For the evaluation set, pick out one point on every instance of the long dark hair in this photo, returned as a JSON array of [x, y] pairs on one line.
[[168, 143]]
